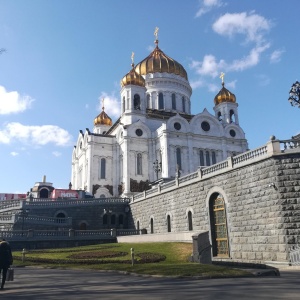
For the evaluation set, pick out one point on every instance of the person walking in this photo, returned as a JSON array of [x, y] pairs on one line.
[[6, 260]]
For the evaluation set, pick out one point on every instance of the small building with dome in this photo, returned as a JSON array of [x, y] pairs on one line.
[[156, 137]]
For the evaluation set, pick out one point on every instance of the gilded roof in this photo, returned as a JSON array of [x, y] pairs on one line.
[[224, 95], [158, 61], [103, 119], [133, 78]]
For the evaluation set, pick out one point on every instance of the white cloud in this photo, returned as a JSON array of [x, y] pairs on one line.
[[35, 135], [263, 79], [209, 66], [12, 102], [276, 56], [208, 5], [112, 105], [252, 59], [13, 153], [253, 26], [56, 153]]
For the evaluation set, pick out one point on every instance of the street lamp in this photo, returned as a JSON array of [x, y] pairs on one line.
[[157, 168], [294, 98]]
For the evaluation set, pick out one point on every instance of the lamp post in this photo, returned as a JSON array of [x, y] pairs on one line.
[[157, 168], [294, 98]]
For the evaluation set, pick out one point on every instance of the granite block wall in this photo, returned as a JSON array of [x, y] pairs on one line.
[[262, 208]]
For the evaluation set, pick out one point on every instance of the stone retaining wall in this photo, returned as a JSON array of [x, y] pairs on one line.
[[262, 205]]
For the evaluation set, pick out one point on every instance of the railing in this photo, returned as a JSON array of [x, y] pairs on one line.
[[42, 220], [273, 147], [295, 256], [39, 235], [289, 144]]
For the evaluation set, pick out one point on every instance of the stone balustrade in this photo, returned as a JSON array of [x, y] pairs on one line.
[[273, 147]]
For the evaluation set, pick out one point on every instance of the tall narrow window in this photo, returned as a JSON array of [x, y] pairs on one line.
[[138, 225], [123, 104], [232, 118], [151, 226], [169, 223], [103, 168], [190, 220], [207, 158], [148, 101], [113, 220], [178, 158], [105, 219], [121, 167], [139, 163], [160, 101], [121, 220], [183, 104], [220, 118], [173, 101], [137, 102], [201, 158], [213, 157]]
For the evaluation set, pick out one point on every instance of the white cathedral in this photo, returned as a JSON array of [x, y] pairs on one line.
[[156, 137]]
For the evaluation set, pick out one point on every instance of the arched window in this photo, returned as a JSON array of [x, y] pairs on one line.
[[113, 219], [121, 167], [121, 219], [102, 168], [123, 104], [201, 158], [169, 223], [220, 118], [138, 225], [148, 101], [60, 215], [160, 101], [102, 196], [137, 102], [183, 104], [218, 225], [190, 220], [151, 226], [178, 157], [105, 219], [232, 118], [44, 193], [173, 101], [139, 162], [213, 157], [207, 158]]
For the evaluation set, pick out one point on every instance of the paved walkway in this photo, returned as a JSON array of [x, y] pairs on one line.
[[39, 283]]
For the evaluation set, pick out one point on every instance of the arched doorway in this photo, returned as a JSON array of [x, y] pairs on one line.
[[218, 225], [82, 226], [44, 193]]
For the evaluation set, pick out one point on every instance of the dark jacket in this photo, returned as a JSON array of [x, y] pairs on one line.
[[6, 258]]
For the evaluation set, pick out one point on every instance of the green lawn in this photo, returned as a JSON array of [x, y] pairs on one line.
[[169, 259]]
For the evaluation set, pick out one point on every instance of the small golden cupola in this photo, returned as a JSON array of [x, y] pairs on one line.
[[103, 118], [224, 95], [158, 62], [133, 77]]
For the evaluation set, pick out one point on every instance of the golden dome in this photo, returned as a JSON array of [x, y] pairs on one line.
[[103, 119], [133, 78], [159, 62], [224, 96]]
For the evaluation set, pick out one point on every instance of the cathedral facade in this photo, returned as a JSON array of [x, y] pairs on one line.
[[156, 137]]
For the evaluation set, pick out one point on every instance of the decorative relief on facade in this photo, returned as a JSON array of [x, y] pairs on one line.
[[110, 189], [141, 186]]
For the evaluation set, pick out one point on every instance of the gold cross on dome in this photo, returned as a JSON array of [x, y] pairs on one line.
[[222, 77], [102, 103], [156, 32], [132, 57]]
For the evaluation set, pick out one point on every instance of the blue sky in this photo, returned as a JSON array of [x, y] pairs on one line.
[[63, 56]]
